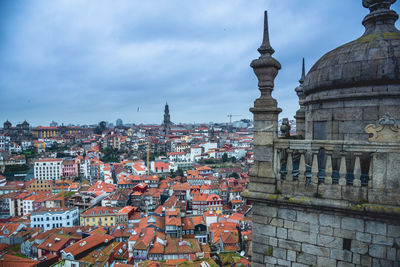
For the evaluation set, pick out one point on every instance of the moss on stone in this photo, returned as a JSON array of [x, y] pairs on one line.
[[269, 251], [378, 36], [272, 197]]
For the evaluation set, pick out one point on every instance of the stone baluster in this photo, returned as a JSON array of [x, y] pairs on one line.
[[357, 170], [278, 164], [370, 171], [302, 166], [289, 165], [314, 167], [343, 169], [328, 167]]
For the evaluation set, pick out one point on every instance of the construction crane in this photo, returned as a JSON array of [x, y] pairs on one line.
[[230, 117], [62, 193]]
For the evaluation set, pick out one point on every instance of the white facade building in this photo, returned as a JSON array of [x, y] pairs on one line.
[[48, 169], [55, 218], [4, 143], [195, 152], [209, 146]]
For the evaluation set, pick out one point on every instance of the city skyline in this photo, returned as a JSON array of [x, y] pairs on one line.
[[84, 63]]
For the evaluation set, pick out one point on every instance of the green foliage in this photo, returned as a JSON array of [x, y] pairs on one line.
[[110, 154], [234, 175], [100, 128], [179, 172], [68, 194], [278, 192], [30, 153], [227, 258], [211, 161], [16, 168], [224, 157], [15, 248], [61, 155], [152, 156], [53, 147]]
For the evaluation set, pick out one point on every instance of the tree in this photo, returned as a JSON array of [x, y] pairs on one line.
[[179, 172], [53, 147], [16, 168], [224, 157], [100, 128], [110, 154], [235, 175]]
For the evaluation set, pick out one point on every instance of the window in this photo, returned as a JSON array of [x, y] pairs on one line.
[[346, 244]]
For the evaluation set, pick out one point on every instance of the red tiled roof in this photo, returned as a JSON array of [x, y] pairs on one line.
[[13, 261], [54, 242], [204, 168], [200, 197], [187, 223], [88, 243], [213, 197], [145, 238], [48, 160], [96, 211], [173, 217]]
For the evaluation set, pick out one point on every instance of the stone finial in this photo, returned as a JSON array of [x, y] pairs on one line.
[[381, 18], [266, 67], [266, 47], [373, 5], [299, 89], [387, 129], [303, 73], [301, 114]]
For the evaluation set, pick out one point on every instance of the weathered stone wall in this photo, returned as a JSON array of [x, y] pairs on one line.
[[348, 115], [297, 237]]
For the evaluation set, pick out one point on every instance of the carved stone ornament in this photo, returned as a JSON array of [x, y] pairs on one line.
[[386, 130]]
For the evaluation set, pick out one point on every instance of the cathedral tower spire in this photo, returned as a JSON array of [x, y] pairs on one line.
[[167, 119]]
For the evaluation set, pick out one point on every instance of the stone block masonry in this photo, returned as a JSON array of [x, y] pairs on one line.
[[294, 236]]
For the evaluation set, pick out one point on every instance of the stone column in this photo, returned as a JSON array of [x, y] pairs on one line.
[[265, 112]]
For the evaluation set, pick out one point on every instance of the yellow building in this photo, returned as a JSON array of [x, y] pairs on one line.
[[40, 145], [40, 185], [104, 216], [214, 203], [45, 132]]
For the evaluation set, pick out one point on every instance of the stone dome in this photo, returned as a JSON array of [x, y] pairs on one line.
[[357, 83], [372, 59]]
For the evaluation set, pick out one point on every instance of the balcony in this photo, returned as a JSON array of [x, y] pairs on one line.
[[352, 174]]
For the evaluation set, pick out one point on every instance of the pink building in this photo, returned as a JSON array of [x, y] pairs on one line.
[[68, 168]]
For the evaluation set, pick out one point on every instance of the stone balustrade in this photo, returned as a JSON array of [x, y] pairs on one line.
[[339, 170]]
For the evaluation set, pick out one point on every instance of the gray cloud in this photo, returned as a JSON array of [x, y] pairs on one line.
[[86, 61]]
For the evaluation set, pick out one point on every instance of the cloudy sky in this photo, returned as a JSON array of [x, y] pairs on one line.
[[83, 61]]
